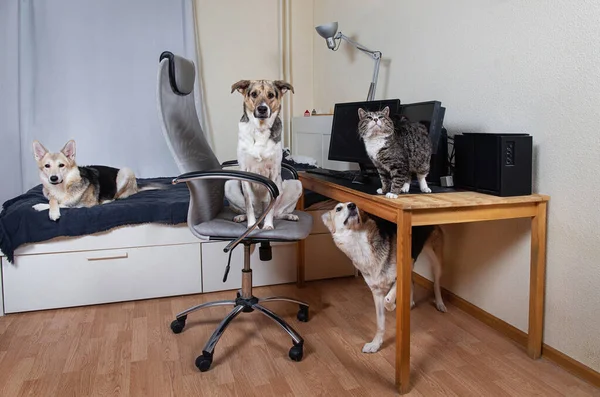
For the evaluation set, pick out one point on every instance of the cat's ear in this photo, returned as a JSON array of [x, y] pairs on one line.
[[386, 111], [361, 113]]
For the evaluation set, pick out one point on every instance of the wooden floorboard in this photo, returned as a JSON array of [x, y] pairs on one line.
[[127, 349]]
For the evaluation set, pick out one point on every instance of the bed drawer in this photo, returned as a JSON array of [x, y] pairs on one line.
[[100, 276]]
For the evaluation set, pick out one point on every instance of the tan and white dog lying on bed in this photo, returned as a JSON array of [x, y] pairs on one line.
[[66, 185], [260, 151], [371, 245]]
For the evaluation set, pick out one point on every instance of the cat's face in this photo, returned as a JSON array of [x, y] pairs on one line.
[[374, 123]]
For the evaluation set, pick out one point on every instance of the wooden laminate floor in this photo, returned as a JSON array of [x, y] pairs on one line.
[[127, 349]]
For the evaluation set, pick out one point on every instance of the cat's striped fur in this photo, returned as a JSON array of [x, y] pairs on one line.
[[397, 149]]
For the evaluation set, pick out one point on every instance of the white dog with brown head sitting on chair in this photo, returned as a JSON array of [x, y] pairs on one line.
[[260, 151], [370, 243]]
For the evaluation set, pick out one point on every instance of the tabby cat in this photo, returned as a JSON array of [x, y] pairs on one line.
[[397, 150]]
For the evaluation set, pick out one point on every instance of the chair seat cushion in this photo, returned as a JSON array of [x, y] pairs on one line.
[[223, 226]]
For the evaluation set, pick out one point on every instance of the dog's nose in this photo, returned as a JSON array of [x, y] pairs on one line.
[[53, 178], [351, 206], [262, 109]]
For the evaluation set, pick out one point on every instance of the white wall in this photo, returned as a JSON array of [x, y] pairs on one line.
[[249, 48], [238, 41], [499, 66]]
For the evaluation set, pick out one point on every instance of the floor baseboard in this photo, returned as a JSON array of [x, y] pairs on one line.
[[567, 363]]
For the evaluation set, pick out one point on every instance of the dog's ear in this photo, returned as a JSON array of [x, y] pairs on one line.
[[362, 216], [328, 221], [241, 86], [69, 150], [283, 86], [361, 113], [386, 111], [39, 151]]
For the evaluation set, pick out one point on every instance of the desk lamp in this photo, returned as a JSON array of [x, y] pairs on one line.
[[329, 32]]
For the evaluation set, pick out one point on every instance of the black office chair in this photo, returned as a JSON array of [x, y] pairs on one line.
[[208, 218]]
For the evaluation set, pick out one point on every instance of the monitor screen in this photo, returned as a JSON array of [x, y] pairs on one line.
[[431, 114], [345, 143]]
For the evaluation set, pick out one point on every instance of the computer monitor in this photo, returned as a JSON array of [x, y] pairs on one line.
[[346, 145]]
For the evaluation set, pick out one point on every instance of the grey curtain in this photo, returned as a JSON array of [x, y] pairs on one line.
[[86, 70]]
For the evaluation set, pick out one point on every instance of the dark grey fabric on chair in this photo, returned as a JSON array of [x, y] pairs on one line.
[[208, 219]]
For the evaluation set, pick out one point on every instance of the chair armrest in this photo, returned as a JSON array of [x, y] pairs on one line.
[[292, 170], [240, 176], [230, 174]]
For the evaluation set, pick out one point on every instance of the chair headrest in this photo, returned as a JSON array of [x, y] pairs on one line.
[[182, 73]]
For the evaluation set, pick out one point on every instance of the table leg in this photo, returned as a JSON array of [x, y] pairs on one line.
[[537, 280], [300, 266], [403, 285]]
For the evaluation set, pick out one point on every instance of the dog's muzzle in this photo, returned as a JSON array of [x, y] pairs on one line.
[[352, 214], [54, 180], [262, 112]]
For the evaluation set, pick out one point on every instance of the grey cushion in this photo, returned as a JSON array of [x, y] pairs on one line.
[[224, 227]]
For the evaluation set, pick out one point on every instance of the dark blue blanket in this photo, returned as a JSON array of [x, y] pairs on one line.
[[21, 224]]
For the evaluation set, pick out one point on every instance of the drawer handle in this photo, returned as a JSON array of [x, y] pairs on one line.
[[104, 258]]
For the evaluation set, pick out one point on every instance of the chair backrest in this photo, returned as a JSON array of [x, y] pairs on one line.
[[184, 135]]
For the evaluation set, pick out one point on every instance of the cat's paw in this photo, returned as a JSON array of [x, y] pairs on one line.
[[405, 188], [426, 189], [268, 227], [380, 191], [391, 195], [41, 207]]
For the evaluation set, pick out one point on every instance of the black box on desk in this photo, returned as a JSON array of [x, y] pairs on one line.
[[498, 164]]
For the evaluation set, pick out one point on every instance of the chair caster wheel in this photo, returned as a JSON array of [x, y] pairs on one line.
[[204, 361], [296, 352], [302, 314], [178, 324]]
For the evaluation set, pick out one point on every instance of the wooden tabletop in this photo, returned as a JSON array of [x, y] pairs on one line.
[[420, 201]]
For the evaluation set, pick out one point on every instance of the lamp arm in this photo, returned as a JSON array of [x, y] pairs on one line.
[[376, 55]]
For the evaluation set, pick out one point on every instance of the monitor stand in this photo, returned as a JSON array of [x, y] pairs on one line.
[[364, 175]]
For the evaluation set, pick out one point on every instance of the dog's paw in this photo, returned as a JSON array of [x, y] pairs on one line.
[[239, 218], [441, 307], [292, 217], [371, 347], [389, 306], [54, 214], [41, 207], [380, 191], [426, 189], [391, 195], [405, 188]]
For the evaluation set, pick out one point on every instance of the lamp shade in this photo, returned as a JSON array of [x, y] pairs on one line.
[[328, 31]]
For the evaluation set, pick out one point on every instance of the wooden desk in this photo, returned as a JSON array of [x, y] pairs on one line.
[[438, 209]]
